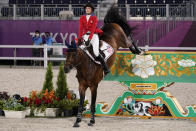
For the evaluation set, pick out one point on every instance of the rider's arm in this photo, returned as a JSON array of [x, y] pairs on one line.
[[94, 27], [81, 28]]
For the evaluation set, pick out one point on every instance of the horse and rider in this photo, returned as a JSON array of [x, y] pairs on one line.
[[116, 32], [89, 32]]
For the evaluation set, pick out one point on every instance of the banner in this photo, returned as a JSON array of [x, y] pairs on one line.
[[20, 32]]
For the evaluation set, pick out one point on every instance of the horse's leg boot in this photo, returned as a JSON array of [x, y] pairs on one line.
[[104, 65], [79, 117], [134, 49], [92, 120]]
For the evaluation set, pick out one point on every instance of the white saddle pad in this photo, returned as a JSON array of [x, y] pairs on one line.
[[106, 48]]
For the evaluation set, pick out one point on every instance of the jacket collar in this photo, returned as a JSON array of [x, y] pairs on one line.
[[92, 14]]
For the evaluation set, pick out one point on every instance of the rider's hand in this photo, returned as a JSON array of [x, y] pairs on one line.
[[87, 43], [79, 42]]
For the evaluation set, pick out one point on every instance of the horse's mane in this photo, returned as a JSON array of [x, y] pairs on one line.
[[113, 16]]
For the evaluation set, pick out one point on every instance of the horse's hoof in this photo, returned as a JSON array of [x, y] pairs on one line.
[[92, 121], [90, 124], [78, 120], [76, 125]]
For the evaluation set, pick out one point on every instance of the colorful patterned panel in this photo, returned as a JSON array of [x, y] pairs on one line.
[[154, 67]]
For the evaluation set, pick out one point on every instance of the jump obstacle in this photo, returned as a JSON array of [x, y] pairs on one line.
[[146, 77]]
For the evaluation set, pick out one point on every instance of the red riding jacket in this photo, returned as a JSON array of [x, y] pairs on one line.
[[90, 26]]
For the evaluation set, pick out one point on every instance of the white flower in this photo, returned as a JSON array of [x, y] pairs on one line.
[[127, 100], [186, 63], [143, 66], [158, 101]]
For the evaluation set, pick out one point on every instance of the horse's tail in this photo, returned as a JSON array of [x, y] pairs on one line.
[[113, 16]]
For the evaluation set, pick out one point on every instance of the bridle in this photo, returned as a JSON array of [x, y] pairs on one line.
[[75, 58]]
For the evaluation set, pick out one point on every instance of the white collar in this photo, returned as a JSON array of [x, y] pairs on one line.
[[87, 17]]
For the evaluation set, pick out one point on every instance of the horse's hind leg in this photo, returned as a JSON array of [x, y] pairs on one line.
[[93, 101], [82, 90], [133, 47]]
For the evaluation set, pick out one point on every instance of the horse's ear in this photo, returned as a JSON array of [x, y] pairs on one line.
[[67, 44], [73, 43]]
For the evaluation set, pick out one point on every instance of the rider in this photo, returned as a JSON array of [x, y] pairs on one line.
[[88, 31]]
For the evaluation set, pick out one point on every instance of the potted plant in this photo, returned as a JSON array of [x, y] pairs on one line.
[[42, 103], [61, 90], [48, 84], [3, 96], [52, 104], [76, 104], [69, 107], [13, 109], [66, 105]]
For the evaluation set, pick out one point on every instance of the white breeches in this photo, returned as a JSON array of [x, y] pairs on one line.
[[95, 43]]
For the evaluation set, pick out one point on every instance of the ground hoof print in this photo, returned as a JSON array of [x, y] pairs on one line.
[[76, 125]]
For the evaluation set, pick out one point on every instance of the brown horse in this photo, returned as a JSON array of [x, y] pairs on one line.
[[115, 32]]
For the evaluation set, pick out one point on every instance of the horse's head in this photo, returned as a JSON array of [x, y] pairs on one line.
[[71, 57]]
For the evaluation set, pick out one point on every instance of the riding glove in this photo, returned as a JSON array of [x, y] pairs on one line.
[[79, 42], [87, 43]]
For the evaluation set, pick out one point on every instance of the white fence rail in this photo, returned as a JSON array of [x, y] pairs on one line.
[[45, 58]]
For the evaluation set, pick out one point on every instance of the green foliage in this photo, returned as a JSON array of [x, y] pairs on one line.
[[12, 104], [85, 103], [48, 84], [76, 103], [62, 89], [68, 104], [1, 104]]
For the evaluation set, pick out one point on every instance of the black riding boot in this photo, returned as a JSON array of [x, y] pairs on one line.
[[104, 65]]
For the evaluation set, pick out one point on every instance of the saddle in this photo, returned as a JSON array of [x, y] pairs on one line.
[[105, 50]]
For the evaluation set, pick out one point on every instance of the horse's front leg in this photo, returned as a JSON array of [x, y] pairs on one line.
[[82, 90], [93, 106]]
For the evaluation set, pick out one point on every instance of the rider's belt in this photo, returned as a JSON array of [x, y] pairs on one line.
[[88, 33]]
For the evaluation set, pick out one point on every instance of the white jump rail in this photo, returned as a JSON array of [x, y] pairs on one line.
[[146, 48], [45, 57]]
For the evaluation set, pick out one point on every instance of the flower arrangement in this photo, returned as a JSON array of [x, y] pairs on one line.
[[61, 98], [41, 100], [13, 104], [13, 108]]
